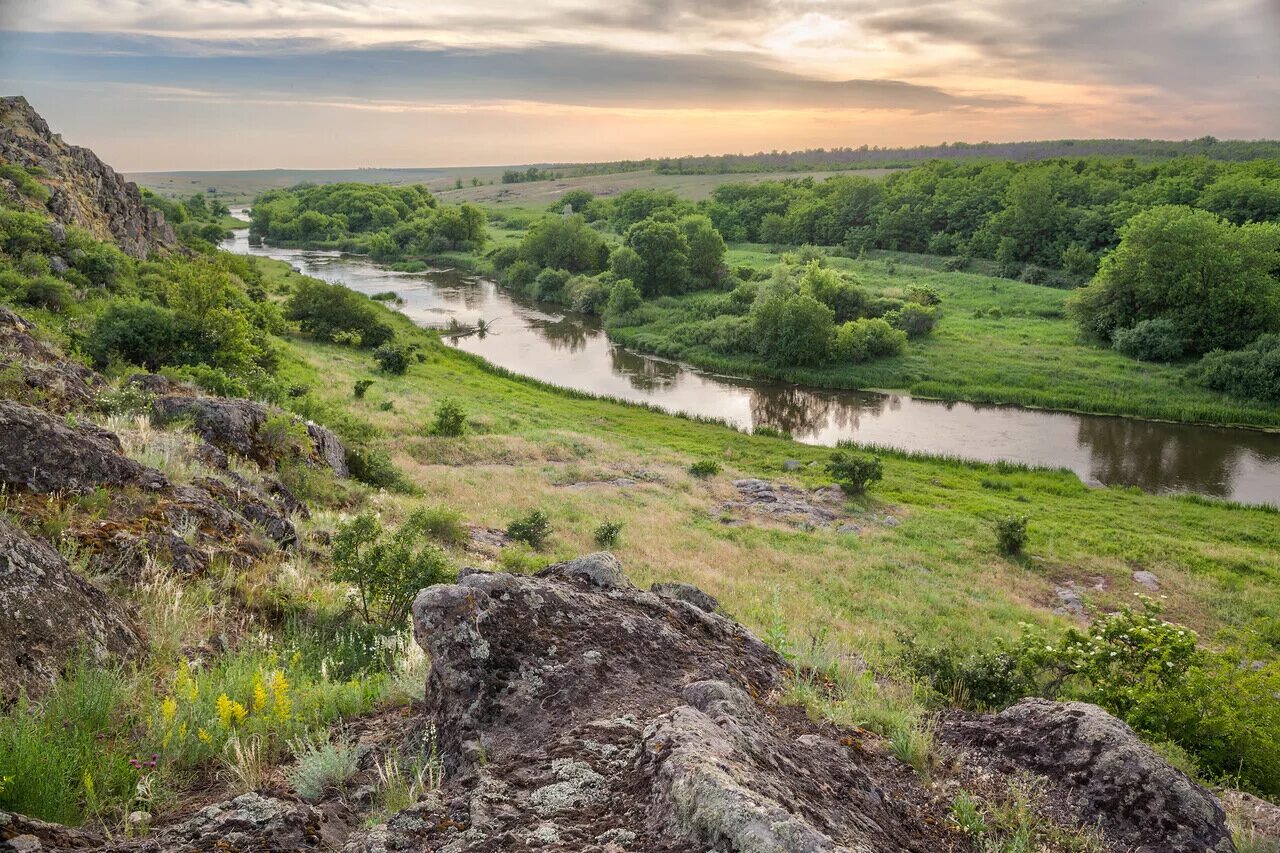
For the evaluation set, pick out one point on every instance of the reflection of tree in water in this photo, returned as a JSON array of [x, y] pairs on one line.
[[644, 374], [804, 412], [563, 334], [1154, 456]]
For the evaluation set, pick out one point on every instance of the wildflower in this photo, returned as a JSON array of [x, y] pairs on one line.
[[259, 693], [184, 683], [283, 706], [182, 731], [230, 712], [168, 710], [204, 736]]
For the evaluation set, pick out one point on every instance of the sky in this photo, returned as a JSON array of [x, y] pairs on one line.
[[242, 84]]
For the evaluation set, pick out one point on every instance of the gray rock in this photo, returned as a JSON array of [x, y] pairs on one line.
[[1141, 802], [791, 465], [601, 570], [249, 822], [58, 265], [1070, 602], [1147, 579], [49, 615], [848, 528], [687, 592], [42, 453]]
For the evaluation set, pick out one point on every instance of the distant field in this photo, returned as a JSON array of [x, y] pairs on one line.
[[241, 187]]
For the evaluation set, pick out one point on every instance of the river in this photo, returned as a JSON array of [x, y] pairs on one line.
[[573, 351]]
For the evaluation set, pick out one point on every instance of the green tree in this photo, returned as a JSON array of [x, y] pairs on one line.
[[664, 257], [1214, 280], [706, 248], [793, 331], [565, 242]]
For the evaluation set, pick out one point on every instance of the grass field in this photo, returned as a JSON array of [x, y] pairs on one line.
[[936, 573], [242, 187]]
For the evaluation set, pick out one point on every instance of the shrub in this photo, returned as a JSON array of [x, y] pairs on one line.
[[624, 296], [360, 387], [913, 318], [282, 436], [373, 467], [862, 340], [1151, 340], [388, 569], [704, 468], [450, 418], [854, 473], [608, 534], [393, 358], [323, 310], [52, 294], [136, 333], [322, 764], [533, 529], [441, 524], [1252, 372], [955, 264], [1011, 534], [924, 294], [792, 331], [1033, 274]]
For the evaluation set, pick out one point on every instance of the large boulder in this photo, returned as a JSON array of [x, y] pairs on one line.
[[45, 454], [49, 616], [235, 426], [1111, 777], [574, 712]]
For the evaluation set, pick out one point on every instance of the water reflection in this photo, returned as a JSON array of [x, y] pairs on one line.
[[572, 351]]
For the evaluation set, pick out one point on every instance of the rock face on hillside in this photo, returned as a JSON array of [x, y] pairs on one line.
[[236, 426], [1113, 778], [84, 191], [37, 373], [51, 616], [575, 712]]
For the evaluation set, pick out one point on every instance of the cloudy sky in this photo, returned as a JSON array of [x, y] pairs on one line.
[[231, 84]]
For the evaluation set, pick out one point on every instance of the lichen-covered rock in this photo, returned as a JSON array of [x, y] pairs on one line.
[[235, 426], [83, 191], [45, 377], [575, 712], [243, 498], [687, 592], [49, 616], [1112, 777], [44, 454]]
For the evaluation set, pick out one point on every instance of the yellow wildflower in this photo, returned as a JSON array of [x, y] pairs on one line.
[[182, 732], [259, 693], [185, 684], [283, 705], [230, 711], [169, 709], [295, 659], [204, 736]]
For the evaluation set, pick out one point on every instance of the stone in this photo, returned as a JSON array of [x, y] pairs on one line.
[[687, 592], [43, 454], [601, 570], [791, 465], [54, 382], [49, 616], [1070, 602], [1141, 802], [1147, 579], [249, 822], [1258, 817]]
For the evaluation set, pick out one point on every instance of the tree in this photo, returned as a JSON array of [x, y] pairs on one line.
[[706, 248], [1214, 280], [565, 242], [844, 298], [664, 257], [793, 331]]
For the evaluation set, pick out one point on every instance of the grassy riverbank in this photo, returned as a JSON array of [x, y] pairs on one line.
[[998, 341], [936, 572]]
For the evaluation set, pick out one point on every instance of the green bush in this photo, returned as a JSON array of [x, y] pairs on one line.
[[136, 333], [52, 294], [1151, 340], [442, 524], [322, 764], [450, 418], [624, 296], [1252, 372], [393, 358], [608, 534], [854, 473], [865, 339], [1011, 534], [373, 467], [704, 468], [360, 387], [533, 529], [913, 318], [388, 569], [325, 310]]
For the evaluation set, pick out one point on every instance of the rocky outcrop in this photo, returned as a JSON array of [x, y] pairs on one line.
[[236, 426], [576, 712], [44, 454], [1110, 776], [50, 617], [46, 377], [83, 190]]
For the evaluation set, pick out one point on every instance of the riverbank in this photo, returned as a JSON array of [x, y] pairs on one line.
[[918, 556]]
